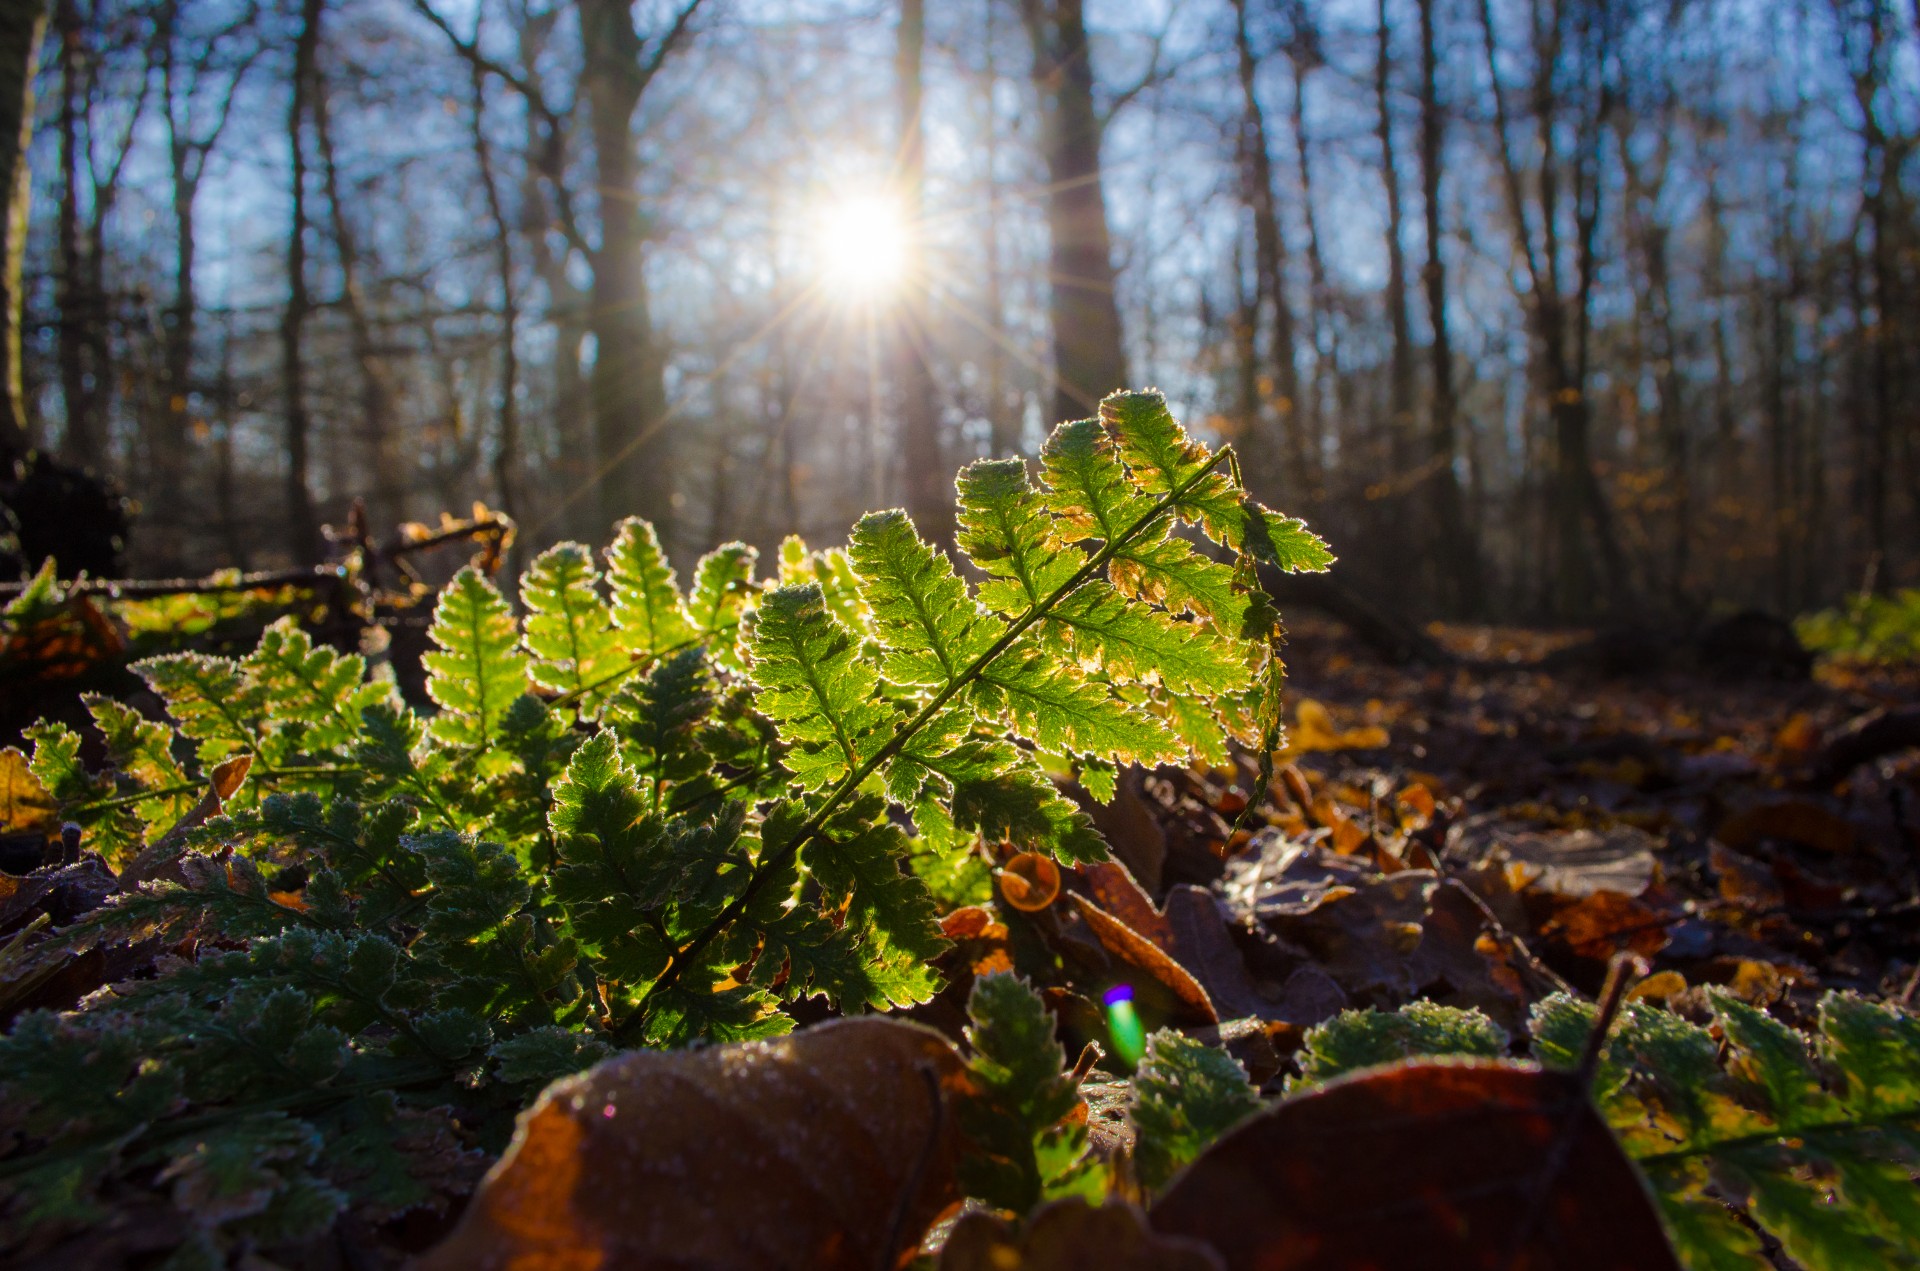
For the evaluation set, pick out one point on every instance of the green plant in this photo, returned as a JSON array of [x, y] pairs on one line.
[[1866, 628], [1814, 1142], [635, 817]]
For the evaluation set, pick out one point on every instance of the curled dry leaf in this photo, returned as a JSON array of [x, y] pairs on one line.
[[1116, 892], [1440, 1166], [1029, 882], [1130, 948], [25, 805], [830, 1148], [1071, 1235]]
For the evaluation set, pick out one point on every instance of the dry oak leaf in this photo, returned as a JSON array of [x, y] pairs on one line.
[[1132, 950], [830, 1148], [25, 805], [1431, 1166], [1071, 1235]]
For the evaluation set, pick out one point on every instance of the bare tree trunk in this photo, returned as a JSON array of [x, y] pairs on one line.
[[506, 454], [1460, 554], [1270, 268], [302, 522], [1326, 324], [22, 27], [929, 481], [1089, 352], [1397, 535], [1003, 437], [628, 383], [83, 442], [377, 422]]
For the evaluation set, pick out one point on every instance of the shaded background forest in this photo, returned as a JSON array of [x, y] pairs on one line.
[[1535, 308]]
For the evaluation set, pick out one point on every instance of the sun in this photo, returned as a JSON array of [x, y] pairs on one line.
[[863, 243]]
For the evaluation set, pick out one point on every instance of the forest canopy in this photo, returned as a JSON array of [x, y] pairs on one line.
[[1533, 307]]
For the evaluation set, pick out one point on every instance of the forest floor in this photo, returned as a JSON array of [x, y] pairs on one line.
[[1484, 832]]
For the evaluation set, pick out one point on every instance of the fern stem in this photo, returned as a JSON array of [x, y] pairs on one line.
[[813, 825], [1762, 1138]]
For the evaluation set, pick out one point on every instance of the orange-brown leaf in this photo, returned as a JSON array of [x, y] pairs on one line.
[[1071, 1235], [1441, 1166], [795, 1153]]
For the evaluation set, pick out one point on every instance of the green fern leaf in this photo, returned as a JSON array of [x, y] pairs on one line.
[[210, 699], [659, 718], [569, 629], [1186, 1094], [1822, 1164], [647, 611], [142, 751], [927, 622], [1030, 1142], [478, 669], [1059, 711], [311, 693], [816, 687], [722, 590], [1353, 1040], [1089, 491], [857, 863], [605, 841], [1130, 640], [1006, 530], [999, 791], [1164, 459]]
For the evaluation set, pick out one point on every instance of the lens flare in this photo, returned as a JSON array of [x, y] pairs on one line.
[[863, 243], [1128, 1034]]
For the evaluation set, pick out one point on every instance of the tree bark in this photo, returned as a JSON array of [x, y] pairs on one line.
[[1300, 470], [1089, 353], [302, 522], [929, 481], [1460, 555], [22, 26], [378, 423], [1397, 531], [628, 382]]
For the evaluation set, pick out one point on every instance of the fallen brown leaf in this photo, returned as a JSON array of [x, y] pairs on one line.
[[1071, 1235], [1437, 1166], [831, 1148]]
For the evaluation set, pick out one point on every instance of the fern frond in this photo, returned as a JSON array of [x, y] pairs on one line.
[[211, 700], [1060, 711], [1032, 1144], [648, 614], [309, 691], [930, 627], [722, 590], [569, 628], [478, 669], [1186, 1094], [817, 688], [1820, 1142], [1163, 458], [142, 752], [857, 862]]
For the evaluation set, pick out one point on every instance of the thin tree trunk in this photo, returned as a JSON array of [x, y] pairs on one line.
[[1459, 552], [83, 442], [929, 481], [1397, 537], [628, 382], [1326, 325], [506, 454], [1089, 354], [1270, 268], [379, 427], [22, 27], [302, 522]]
